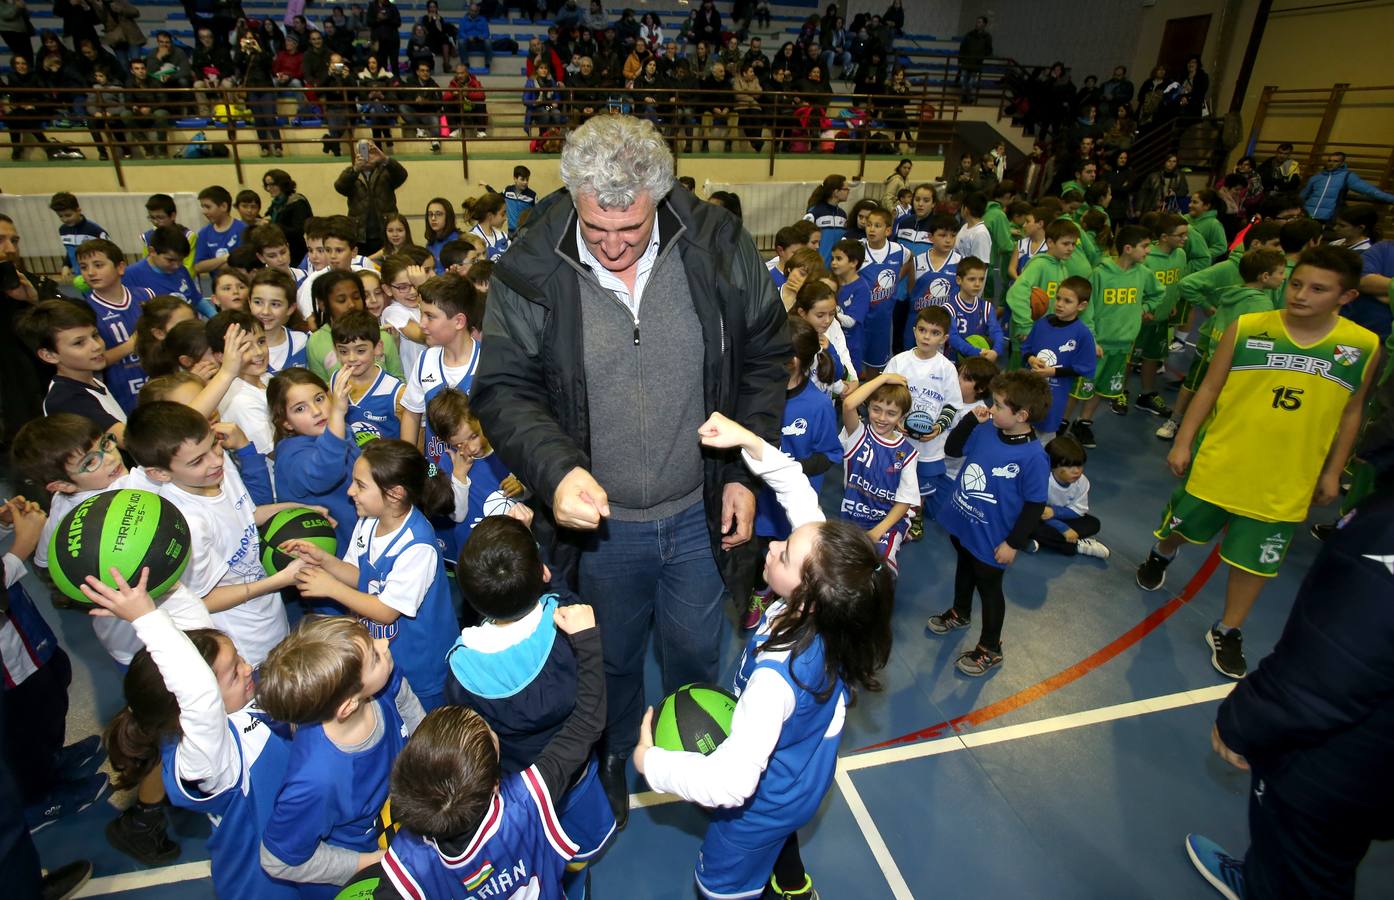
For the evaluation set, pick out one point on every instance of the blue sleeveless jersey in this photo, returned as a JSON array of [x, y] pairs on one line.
[[240, 813], [430, 374], [832, 222], [516, 202], [873, 468], [436, 246], [935, 286], [374, 415], [26, 640], [520, 850], [117, 324], [884, 275], [494, 245], [288, 355], [419, 643], [810, 428]]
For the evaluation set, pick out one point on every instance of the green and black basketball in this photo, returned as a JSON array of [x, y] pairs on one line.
[[128, 530], [299, 524], [696, 718]]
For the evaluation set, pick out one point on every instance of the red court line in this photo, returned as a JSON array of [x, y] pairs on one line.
[[1072, 673]]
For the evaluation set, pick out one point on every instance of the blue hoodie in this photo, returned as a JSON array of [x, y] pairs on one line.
[[1325, 191]]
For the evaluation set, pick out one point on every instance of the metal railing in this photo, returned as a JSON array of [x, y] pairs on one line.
[[252, 123]]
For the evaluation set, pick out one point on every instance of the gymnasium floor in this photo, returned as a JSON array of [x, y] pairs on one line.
[[1081, 765]]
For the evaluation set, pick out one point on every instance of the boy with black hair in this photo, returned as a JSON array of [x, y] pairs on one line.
[[221, 235], [480, 272], [853, 301], [1098, 197], [786, 241], [936, 270], [1066, 525], [1199, 289], [996, 504], [1034, 290], [1033, 241], [998, 219], [1286, 387], [249, 207], [375, 397], [272, 248], [1295, 238], [518, 198], [879, 462], [338, 241], [451, 316], [458, 255], [244, 403], [313, 231], [1167, 263], [1262, 272], [117, 308], [162, 270], [74, 229], [1124, 294], [161, 211], [1072, 205], [885, 265], [973, 238], [1061, 349], [65, 336], [461, 820], [975, 330]]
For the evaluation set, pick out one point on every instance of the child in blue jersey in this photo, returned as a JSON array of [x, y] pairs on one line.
[[466, 829], [272, 303], [354, 711], [314, 451], [374, 397], [808, 436], [1032, 241], [936, 271], [117, 308], [191, 716], [974, 316], [162, 270], [879, 463], [392, 576], [853, 299], [996, 505], [221, 235], [490, 223], [914, 228], [451, 316], [518, 197], [824, 212], [818, 646], [64, 335], [932, 381], [514, 671], [440, 228], [1061, 348], [885, 267], [489, 488], [74, 229]]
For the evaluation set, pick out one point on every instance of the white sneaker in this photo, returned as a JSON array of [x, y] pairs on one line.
[[421, 132], [1091, 547], [481, 133], [1168, 430], [455, 133]]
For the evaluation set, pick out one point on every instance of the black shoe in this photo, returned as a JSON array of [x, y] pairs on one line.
[[1323, 530], [1154, 404], [1119, 405], [1152, 574], [1227, 652], [140, 834], [65, 881], [1083, 431], [612, 776]]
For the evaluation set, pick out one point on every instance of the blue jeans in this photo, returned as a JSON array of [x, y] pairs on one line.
[[660, 577]]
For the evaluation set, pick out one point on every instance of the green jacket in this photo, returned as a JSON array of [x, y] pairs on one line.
[[1044, 272], [1231, 303], [1206, 241], [1201, 288], [1167, 269], [1090, 248], [319, 354], [1117, 300], [1000, 229]]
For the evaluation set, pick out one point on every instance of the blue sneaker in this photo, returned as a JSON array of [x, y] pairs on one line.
[[1224, 872], [81, 759], [68, 798]]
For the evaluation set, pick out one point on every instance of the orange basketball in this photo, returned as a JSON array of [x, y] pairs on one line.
[[1040, 303]]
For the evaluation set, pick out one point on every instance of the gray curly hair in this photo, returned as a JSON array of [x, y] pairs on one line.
[[615, 159]]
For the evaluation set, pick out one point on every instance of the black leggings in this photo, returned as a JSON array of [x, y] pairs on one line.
[[972, 573], [789, 872], [1051, 539]]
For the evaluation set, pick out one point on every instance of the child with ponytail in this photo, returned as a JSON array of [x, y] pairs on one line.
[[825, 639], [490, 216], [392, 576], [816, 304]]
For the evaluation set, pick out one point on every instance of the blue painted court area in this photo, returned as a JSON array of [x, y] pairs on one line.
[[1086, 791]]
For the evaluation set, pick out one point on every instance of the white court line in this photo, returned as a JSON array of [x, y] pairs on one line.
[[130, 881]]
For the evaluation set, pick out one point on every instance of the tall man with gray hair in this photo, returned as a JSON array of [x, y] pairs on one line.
[[623, 315]]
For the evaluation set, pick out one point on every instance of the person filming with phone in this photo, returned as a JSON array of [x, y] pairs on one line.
[[370, 185]]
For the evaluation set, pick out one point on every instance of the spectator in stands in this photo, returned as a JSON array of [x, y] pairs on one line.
[[289, 209], [1190, 99], [687, 34], [1150, 96], [377, 92], [731, 54], [90, 56], [812, 94], [1253, 190], [540, 52], [648, 93], [787, 60], [634, 62], [79, 22], [440, 34], [837, 51], [569, 16], [272, 37], [1280, 172], [627, 29], [717, 101], [15, 28], [762, 13], [1118, 175], [747, 89], [370, 185], [338, 40], [288, 71], [1325, 191], [755, 56], [105, 115], [541, 101], [254, 62], [23, 115], [474, 36], [709, 24], [421, 106], [895, 108], [1089, 94], [315, 65], [595, 17], [808, 32], [466, 103], [147, 116], [975, 47], [60, 71], [870, 81], [383, 21], [650, 32], [169, 65], [336, 96], [585, 91], [682, 82], [119, 29], [1117, 91], [1160, 189], [212, 68], [419, 49], [1121, 129], [894, 17], [300, 26], [702, 60]]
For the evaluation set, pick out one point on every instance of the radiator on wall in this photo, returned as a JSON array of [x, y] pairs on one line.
[[122, 215], [767, 206]]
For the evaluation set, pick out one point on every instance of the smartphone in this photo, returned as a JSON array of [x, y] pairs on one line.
[[364, 146]]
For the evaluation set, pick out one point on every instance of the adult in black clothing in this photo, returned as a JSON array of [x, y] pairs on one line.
[[681, 84], [870, 82], [79, 22], [975, 47], [787, 60], [440, 34], [422, 105], [755, 56], [585, 92], [23, 377], [339, 40], [1117, 91], [1313, 725], [709, 24], [289, 209], [90, 56], [716, 101], [384, 21], [336, 96], [254, 62], [377, 101], [370, 185], [1280, 173], [894, 17], [1195, 86], [1150, 96], [1119, 176], [147, 111]]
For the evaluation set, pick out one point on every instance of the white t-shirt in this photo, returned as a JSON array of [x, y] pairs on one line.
[[974, 240], [305, 300], [954, 464], [430, 371], [837, 344], [412, 573], [397, 315], [227, 550], [1073, 497], [933, 385], [245, 406]]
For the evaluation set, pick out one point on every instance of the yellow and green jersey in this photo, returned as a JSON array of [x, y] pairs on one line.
[[1264, 445]]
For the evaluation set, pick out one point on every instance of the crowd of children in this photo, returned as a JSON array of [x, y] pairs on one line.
[[431, 661]]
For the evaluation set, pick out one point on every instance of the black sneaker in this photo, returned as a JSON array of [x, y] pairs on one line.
[[1119, 405], [65, 881], [1154, 404], [1227, 652], [140, 834], [947, 621], [1323, 530], [1083, 431], [1152, 574], [978, 662]]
